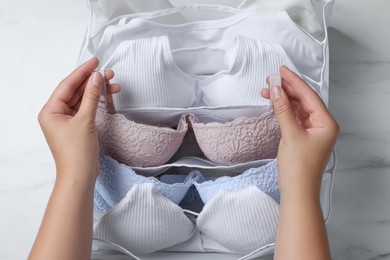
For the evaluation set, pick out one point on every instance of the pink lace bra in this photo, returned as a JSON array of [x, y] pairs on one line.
[[134, 144], [149, 77]]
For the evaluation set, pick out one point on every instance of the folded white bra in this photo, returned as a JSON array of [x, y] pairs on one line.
[[145, 222], [141, 214], [150, 76], [145, 210], [304, 52]]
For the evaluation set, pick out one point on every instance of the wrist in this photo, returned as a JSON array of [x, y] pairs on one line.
[[300, 197], [76, 180], [300, 185], [78, 168]]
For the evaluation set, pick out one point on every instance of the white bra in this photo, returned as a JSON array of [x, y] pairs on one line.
[[145, 221], [150, 77], [305, 52]]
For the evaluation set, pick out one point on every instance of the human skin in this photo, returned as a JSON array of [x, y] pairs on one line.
[[309, 133], [68, 122]]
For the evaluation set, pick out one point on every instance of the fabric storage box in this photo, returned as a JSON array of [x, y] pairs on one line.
[[108, 13]]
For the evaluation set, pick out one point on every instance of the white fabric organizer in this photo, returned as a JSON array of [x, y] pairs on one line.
[[213, 29]]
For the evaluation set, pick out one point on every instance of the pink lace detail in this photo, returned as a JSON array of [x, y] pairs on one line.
[[137, 144], [238, 141]]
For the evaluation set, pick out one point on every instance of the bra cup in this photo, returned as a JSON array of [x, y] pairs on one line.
[[137, 144], [115, 180], [99, 203], [250, 61], [241, 221], [144, 69], [264, 178], [144, 222], [241, 140]]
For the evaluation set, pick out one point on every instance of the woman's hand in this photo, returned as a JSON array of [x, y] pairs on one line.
[[309, 133], [68, 121]]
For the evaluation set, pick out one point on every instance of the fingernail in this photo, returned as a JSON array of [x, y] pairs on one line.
[[275, 79], [96, 79], [275, 92], [275, 82]]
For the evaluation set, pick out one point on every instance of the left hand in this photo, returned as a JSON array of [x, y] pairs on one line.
[[68, 122]]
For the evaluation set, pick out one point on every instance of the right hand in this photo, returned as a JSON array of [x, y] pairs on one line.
[[309, 133]]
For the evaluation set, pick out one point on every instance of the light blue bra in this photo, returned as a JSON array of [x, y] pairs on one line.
[[115, 180]]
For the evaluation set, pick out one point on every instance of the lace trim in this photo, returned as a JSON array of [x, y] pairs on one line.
[[137, 144], [241, 140]]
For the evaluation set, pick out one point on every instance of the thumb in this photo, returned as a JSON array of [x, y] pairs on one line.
[[91, 96], [284, 112]]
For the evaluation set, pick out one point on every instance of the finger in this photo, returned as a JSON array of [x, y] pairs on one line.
[[73, 112], [309, 100], [113, 89], [110, 104], [91, 96], [300, 114], [66, 89], [76, 106], [110, 88], [109, 74], [298, 89], [284, 112], [265, 93], [78, 94]]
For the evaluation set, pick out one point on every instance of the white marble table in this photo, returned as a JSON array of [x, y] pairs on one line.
[[39, 43]]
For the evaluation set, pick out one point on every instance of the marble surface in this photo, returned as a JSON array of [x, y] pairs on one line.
[[39, 43]]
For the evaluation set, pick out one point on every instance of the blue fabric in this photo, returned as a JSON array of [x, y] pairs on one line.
[[115, 180], [264, 177], [192, 200]]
